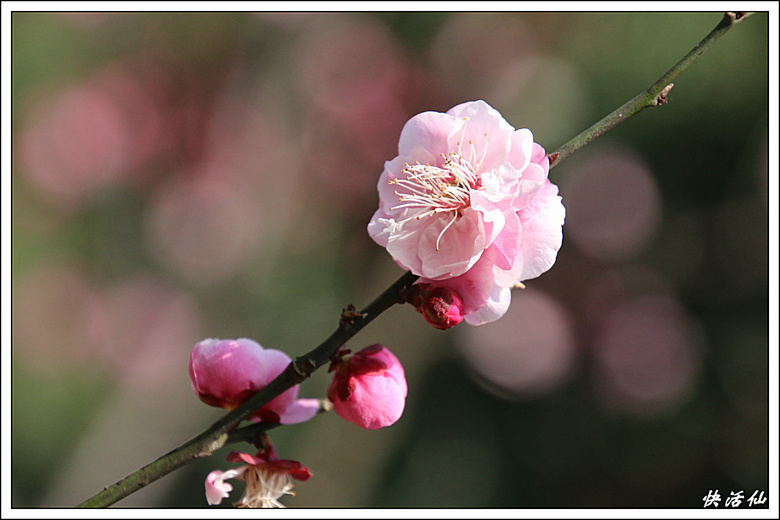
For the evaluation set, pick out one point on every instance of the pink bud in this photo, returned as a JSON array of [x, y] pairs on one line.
[[225, 373], [369, 389], [441, 306]]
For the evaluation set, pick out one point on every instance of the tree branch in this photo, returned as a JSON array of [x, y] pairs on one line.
[[219, 434]]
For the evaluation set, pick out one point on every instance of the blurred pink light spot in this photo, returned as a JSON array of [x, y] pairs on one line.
[[150, 329], [347, 154], [530, 350], [647, 355], [346, 63], [90, 20], [58, 318], [286, 20], [73, 143], [352, 70], [475, 53], [613, 206], [204, 228], [87, 137], [615, 285]]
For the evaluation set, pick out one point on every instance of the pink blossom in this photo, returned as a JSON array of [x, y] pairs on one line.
[[369, 389], [441, 306], [217, 488], [466, 204], [225, 373], [267, 479]]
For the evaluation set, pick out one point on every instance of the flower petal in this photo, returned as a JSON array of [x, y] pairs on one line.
[[427, 131], [522, 148], [224, 372], [377, 399], [490, 213], [217, 488], [246, 458], [301, 410], [542, 233], [495, 307], [451, 252], [482, 135], [508, 244], [534, 177]]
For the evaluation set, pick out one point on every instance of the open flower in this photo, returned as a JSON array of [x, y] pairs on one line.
[[466, 204], [225, 373], [267, 479], [369, 388]]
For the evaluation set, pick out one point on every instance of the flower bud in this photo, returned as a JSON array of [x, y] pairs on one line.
[[225, 373], [369, 389], [441, 306]]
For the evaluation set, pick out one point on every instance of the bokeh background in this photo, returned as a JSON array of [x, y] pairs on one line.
[[186, 175]]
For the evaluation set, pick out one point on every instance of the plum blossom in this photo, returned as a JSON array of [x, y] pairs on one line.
[[267, 479], [369, 389], [467, 205], [225, 373]]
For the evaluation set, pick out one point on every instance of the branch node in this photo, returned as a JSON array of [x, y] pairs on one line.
[[302, 368], [335, 359], [349, 315], [661, 98], [735, 16], [552, 157], [213, 446]]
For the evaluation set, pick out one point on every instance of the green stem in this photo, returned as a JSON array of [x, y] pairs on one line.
[[220, 433], [653, 96], [224, 431]]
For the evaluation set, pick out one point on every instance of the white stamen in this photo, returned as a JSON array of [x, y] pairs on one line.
[[484, 152], [454, 217], [437, 189]]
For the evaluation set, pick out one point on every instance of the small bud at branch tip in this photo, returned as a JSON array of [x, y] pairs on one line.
[[661, 99], [735, 15]]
